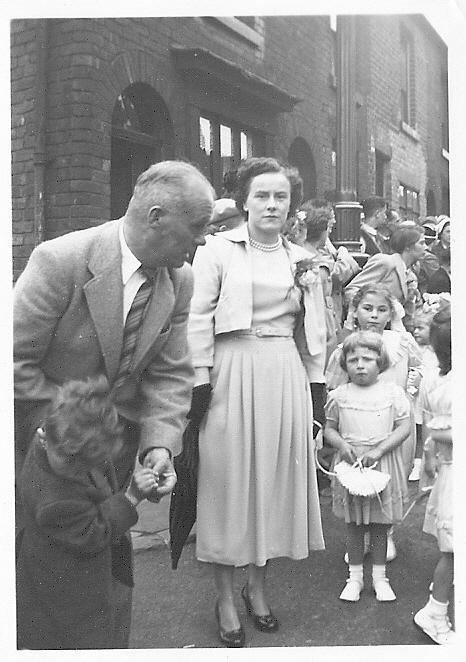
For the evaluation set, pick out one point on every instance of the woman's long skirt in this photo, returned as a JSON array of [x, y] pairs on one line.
[[257, 488]]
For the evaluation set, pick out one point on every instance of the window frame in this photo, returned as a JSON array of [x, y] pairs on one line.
[[213, 168], [411, 212], [241, 29], [407, 81]]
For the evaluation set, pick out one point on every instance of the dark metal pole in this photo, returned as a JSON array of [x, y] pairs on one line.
[[347, 208]]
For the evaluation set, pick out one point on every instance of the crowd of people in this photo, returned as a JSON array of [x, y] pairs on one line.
[[294, 362]]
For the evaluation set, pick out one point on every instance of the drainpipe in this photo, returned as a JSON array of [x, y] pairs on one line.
[[40, 102], [347, 208]]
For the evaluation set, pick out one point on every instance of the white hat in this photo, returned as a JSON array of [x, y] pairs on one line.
[[224, 208]]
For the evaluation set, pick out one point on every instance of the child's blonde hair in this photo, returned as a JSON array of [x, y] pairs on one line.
[[368, 340], [424, 315], [83, 420]]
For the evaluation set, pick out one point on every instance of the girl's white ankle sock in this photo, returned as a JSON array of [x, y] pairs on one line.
[[378, 572], [436, 607], [356, 572]]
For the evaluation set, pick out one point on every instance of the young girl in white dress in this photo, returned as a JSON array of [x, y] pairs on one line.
[[422, 321], [367, 420], [435, 399], [373, 309]]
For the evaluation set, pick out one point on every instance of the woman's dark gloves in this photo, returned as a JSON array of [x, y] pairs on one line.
[[319, 394], [200, 402]]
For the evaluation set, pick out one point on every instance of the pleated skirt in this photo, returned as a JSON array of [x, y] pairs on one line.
[[257, 490]]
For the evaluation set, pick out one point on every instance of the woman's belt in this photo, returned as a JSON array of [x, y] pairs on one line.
[[265, 332]]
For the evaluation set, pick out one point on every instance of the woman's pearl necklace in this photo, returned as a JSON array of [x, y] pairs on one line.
[[267, 248]]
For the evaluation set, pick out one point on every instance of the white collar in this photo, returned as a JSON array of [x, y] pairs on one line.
[[129, 262], [369, 229]]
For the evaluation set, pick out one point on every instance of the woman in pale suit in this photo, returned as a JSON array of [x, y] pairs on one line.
[[394, 271], [257, 494]]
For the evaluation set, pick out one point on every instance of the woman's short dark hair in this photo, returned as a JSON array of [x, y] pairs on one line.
[[440, 338], [254, 166], [368, 340], [318, 214], [405, 237], [83, 420]]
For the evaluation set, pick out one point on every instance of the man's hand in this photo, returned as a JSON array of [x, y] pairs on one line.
[[158, 459]]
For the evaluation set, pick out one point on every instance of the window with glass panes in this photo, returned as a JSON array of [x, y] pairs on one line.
[[408, 202], [223, 145], [408, 114]]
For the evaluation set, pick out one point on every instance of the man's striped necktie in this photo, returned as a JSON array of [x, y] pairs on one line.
[[132, 326]]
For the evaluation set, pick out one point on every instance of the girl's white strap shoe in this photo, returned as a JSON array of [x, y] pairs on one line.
[[383, 590]]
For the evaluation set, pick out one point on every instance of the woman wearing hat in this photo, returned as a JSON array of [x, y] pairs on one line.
[[226, 216], [256, 352]]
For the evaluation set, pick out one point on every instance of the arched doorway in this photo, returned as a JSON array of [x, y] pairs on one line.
[[142, 134], [300, 156]]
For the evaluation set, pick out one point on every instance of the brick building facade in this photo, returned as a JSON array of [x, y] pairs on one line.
[[94, 101]]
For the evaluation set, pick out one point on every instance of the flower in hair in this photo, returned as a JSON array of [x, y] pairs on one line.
[[435, 302]]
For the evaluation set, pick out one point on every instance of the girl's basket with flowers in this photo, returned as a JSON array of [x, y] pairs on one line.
[[360, 480]]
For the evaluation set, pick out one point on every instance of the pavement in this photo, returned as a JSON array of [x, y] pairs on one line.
[[175, 608], [151, 529]]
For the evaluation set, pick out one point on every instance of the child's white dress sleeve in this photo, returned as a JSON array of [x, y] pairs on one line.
[[331, 407], [414, 352], [401, 404]]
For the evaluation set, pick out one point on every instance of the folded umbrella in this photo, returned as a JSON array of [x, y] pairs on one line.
[[183, 501]]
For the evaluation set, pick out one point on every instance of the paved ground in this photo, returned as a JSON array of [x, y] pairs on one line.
[[174, 608]]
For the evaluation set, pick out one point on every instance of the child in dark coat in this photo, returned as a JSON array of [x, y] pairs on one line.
[[74, 566]]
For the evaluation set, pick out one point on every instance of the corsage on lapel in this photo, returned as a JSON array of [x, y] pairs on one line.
[[306, 273], [307, 279]]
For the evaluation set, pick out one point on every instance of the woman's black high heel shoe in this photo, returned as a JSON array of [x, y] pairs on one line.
[[232, 638], [267, 623]]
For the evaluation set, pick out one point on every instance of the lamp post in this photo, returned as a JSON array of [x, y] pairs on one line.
[[347, 208]]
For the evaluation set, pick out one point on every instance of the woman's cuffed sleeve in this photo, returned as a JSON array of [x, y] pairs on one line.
[[207, 280]]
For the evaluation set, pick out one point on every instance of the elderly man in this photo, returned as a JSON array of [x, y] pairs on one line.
[[79, 291]]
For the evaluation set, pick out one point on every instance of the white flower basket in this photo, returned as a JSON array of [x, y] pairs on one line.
[[359, 480]]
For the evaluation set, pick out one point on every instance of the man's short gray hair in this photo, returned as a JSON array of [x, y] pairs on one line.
[[169, 173]]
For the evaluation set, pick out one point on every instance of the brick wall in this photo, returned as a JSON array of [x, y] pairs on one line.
[[23, 70], [416, 159], [91, 61]]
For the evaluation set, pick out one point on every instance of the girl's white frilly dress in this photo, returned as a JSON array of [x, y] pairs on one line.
[[404, 353], [435, 401], [257, 490], [364, 417]]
